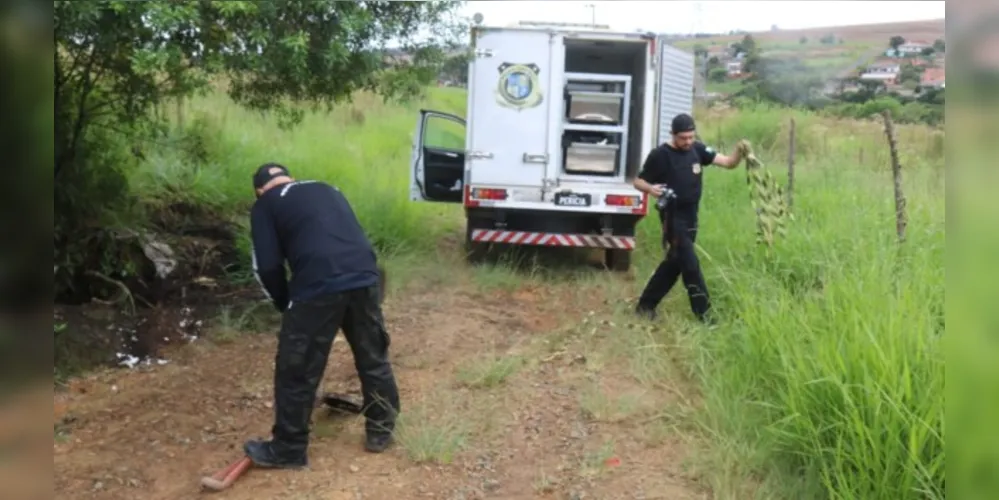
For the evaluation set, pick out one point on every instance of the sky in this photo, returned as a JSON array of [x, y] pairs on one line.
[[717, 16]]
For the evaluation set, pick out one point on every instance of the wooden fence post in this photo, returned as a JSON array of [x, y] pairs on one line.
[[180, 113], [790, 168], [901, 219]]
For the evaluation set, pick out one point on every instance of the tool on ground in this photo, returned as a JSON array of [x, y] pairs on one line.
[[225, 477], [341, 403]]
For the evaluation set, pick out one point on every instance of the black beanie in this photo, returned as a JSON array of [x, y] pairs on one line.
[[266, 172], [682, 123]]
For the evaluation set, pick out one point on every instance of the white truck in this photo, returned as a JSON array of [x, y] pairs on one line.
[[559, 121]]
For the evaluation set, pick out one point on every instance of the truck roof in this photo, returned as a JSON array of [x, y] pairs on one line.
[[560, 27]]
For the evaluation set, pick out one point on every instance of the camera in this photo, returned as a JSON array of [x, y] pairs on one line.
[[664, 200]]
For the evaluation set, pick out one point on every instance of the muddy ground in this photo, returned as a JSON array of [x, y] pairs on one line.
[[508, 391]]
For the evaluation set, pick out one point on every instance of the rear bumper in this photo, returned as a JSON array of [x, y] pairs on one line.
[[553, 239], [518, 200]]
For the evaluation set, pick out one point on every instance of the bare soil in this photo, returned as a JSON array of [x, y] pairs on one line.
[[554, 426]]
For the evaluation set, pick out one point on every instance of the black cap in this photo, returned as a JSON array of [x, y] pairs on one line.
[[682, 123], [266, 172]]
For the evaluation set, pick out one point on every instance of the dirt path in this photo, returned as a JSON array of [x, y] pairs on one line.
[[505, 395]]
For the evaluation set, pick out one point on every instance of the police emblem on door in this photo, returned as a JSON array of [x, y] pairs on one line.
[[519, 86]]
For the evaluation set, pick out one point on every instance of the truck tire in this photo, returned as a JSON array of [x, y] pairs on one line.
[[618, 260], [475, 252]]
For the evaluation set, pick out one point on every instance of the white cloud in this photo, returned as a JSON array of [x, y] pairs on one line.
[[708, 16]]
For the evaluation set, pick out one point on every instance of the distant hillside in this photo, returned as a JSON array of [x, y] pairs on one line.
[[870, 33], [833, 51]]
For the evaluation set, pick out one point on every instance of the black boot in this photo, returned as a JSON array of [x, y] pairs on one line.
[[645, 312], [267, 454], [377, 443]]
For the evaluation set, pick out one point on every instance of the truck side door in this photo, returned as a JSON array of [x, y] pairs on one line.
[[676, 86], [438, 158]]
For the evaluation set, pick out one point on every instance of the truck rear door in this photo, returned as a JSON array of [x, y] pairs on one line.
[[511, 104], [676, 86]]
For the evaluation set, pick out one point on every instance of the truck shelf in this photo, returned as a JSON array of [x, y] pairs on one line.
[[599, 102], [583, 127], [596, 106]]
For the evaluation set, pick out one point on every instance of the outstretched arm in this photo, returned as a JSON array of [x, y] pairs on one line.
[[709, 156]]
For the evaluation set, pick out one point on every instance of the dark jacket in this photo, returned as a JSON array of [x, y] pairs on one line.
[[312, 226]]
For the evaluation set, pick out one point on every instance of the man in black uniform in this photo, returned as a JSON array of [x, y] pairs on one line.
[[677, 165], [334, 284]]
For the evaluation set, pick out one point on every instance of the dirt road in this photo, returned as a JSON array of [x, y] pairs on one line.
[[506, 394]]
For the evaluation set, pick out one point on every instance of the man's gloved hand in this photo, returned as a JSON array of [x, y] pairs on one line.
[[743, 148], [280, 305]]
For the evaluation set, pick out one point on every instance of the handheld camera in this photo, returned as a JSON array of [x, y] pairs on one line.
[[664, 200]]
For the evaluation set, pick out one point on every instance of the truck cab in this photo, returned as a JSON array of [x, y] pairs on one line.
[[559, 121]]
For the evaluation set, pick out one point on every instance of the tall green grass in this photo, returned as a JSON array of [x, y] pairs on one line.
[[363, 148], [827, 370]]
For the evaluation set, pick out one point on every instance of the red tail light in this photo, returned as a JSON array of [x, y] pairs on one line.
[[619, 200], [489, 194]]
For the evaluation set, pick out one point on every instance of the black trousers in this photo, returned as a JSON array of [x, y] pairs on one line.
[[679, 235], [308, 328]]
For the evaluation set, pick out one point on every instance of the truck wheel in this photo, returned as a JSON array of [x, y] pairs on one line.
[[618, 260], [475, 252]]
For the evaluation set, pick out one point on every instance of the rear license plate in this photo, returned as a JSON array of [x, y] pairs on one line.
[[572, 199]]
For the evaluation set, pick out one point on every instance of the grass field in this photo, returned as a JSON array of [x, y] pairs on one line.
[[825, 379]]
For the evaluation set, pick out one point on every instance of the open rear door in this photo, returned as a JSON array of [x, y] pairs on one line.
[[438, 160], [515, 85], [676, 86]]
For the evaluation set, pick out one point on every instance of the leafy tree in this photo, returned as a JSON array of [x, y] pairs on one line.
[[748, 45], [455, 68], [939, 45], [895, 42], [910, 73], [928, 52], [700, 51], [117, 60], [717, 75]]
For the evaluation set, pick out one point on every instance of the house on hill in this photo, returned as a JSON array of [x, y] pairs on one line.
[[932, 78], [734, 68], [908, 49], [884, 71]]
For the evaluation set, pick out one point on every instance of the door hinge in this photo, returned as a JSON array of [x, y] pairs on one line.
[[483, 52], [535, 158], [480, 155]]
